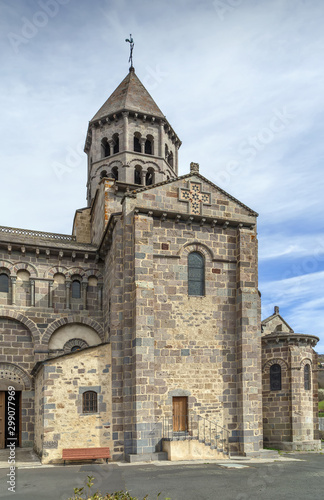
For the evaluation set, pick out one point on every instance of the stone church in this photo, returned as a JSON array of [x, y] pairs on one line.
[[142, 330]]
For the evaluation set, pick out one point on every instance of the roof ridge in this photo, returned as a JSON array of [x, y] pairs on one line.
[[129, 95]]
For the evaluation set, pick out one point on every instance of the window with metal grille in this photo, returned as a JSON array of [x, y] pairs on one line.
[[275, 377], [196, 274], [89, 402], [4, 283], [76, 289], [307, 378]]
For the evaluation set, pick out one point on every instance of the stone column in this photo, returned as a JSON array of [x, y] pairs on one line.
[[67, 294], [176, 157], [32, 293], [143, 337], [13, 290], [125, 118], [161, 134], [248, 342], [84, 293], [50, 294], [100, 297], [111, 143], [142, 141]]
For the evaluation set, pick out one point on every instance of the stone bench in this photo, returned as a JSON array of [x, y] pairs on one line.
[[85, 454]]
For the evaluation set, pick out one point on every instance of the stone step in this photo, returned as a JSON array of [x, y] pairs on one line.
[[263, 454], [146, 457]]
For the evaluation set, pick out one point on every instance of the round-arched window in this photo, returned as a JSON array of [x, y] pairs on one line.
[[76, 289], [89, 402], [4, 283], [196, 274], [307, 377], [275, 377]]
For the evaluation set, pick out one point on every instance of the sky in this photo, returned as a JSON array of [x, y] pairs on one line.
[[240, 81]]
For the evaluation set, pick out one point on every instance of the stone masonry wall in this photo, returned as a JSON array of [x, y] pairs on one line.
[[17, 349], [291, 415], [65, 379], [182, 343], [277, 418], [36, 306]]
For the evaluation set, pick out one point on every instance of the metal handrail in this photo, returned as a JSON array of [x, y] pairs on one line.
[[193, 426]]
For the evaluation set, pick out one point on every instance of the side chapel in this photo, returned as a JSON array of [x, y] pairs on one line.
[[142, 330]]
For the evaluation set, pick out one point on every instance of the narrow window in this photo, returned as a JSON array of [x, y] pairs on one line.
[[105, 148], [196, 274], [137, 145], [148, 147], [116, 143], [149, 178], [138, 175], [89, 402], [275, 377], [4, 283], [76, 289], [103, 174], [307, 378], [114, 173]]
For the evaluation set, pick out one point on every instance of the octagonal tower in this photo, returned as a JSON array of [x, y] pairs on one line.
[[130, 140]]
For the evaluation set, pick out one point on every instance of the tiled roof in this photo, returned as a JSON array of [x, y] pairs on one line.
[[130, 95]]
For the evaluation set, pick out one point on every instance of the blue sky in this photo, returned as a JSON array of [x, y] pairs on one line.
[[241, 82]]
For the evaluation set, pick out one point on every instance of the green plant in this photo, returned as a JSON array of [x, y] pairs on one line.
[[81, 493]]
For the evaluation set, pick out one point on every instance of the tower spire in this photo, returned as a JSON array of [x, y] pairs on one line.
[[131, 46]]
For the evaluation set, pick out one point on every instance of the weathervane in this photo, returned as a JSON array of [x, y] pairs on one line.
[[131, 45]]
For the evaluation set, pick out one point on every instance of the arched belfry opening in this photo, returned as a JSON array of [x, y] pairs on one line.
[[149, 178], [105, 148], [149, 145], [138, 175], [136, 142], [115, 139]]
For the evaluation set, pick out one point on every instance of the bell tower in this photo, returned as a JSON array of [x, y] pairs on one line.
[[130, 141]]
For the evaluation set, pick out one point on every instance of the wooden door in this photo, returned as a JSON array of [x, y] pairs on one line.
[[180, 413], [2, 418]]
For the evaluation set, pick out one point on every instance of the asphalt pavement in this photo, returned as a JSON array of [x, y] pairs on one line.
[[292, 477]]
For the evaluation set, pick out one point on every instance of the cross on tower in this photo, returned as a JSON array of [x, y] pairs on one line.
[[194, 197]]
